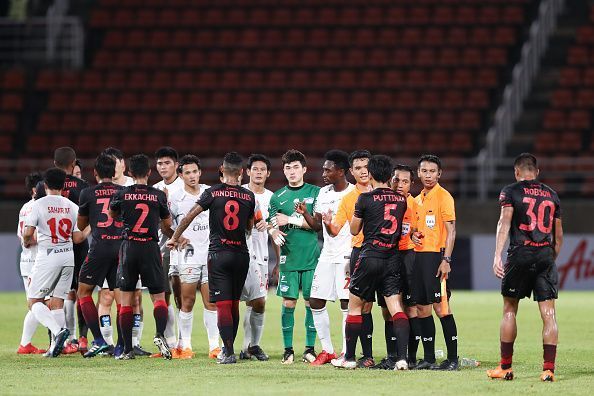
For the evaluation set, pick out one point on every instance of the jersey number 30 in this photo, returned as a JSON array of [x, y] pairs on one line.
[[538, 219]]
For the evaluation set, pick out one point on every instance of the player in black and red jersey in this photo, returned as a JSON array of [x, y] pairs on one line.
[[142, 208], [531, 216], [379, 213], [102, 261], [231, 214]]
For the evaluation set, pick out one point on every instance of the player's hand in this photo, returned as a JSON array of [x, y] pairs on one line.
[[300, 208], [182, 242], [443, 270], [261, 225], [171, 243], [278, 237], [327, 217], [417, 238], [282, 219], [498, 267]]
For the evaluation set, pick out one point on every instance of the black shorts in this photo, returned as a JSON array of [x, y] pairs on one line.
[[80, 254], [373, 274], [101, 264], [226, 274], [530, 270], [426, 288], [140, 259], [406, 263], [354, 257]]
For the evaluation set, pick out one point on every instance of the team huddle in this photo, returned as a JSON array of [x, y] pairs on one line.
[[380, 244]]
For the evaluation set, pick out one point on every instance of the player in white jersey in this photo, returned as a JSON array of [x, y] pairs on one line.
[[191, 261], [54, 219], [331, 278], [27, 260], [256, 284], [167, 164]]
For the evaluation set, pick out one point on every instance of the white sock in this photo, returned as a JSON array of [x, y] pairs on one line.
[[140, 328], [106, 328], [186, 320], [257, 322], [247, 328], [29, 327], [69, 312], [345, 313], [60, 317], [136, 329], [322, 323], [170, 328], [44, 316], [212, 330]]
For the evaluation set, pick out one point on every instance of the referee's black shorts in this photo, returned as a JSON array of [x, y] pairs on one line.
[[226, 274], [426, 288]]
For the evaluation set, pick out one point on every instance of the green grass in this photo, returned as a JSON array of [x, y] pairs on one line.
[[477, 315]]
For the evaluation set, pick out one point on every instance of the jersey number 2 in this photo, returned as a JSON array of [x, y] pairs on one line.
[[138, 228], [538, 219], [388, 208], [231, 221]]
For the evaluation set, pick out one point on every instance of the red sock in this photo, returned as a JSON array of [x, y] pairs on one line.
[[507, 351], [89, 311], [549, 354], [160, 313], [126, 324], [225, 323]]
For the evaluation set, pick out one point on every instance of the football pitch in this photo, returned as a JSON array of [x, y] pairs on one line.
[[477, 315]]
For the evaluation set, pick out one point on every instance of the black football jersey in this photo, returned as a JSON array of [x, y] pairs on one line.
[[72, 188], [94, 204], [536, 206], [382, 211], [230, 209], [141, 210]]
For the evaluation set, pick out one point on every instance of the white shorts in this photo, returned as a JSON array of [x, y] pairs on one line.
[[330, 281], [256, 282], [26, 266], [50, 280], [173, 261]]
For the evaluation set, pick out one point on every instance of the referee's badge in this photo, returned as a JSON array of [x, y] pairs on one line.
[[430, 221], [405, 229]]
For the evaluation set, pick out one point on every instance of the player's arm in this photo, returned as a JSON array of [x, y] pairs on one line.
[[444, 268], [278, 237], [558, 236], [313, 222], [176, 238], [80, 236], [82, 221], [29, 236], [356, 225], [166, 227], [503, 227]]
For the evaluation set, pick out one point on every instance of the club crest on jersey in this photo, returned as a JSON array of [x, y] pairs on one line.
[[283, 259], [430, 221], [405, 229]]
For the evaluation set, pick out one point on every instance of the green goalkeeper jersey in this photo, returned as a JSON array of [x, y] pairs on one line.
[[301, 250]]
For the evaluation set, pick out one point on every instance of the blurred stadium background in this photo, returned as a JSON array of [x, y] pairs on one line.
[[474, 81]]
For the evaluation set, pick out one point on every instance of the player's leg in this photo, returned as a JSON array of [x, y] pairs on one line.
[[309, 354], [288, 289], [130, 261], [550, 335], [29, 326], [323, 289], [247, 295], [189, 284], [352, 332], [209, 318], [423, 295], [410, 309], [170, 335], [508, 332], [258, 289], [91, 315], [80, 253], [401, 329], [450, 334]]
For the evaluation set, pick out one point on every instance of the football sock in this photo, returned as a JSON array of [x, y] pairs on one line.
[[140, 329], [89, 311], [186, 320], [390, 338], [106, 329], [83, 328], [225, 323], [29, 327], [413, 338], [212, 329], [257, 325], [235, 315], [69, 310], [310, 329], [366, 335], [352, 332], [287, 324], [118, 326], [322, 323], [60, 318], [126, 323], [450, 334], [507, 352], [428, 334], [170, 328], [402, 331], [549, 354], [44, 316], [136, 330], [160, 314], [247, 328], [345, 313]]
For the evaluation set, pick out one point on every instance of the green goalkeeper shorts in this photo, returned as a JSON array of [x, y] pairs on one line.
[[290, 282]]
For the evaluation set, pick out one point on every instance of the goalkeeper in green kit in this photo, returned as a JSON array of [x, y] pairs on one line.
[[299, 250]]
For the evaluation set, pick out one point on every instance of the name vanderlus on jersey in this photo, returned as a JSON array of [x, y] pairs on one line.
[[231, 194], [141, 197], [57, 210]]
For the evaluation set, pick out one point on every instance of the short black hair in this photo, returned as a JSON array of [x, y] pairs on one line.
[[232, 162], [186, 160], [78, 163], [380, 167], [54, 178], [258, 157], [105, 166], [31, 181], [64, 156], [358, 154], [114, 152], [139, 166], [340, 159], [166, 151], [430, 158], [293, 155], [404, 168], [526, 161]]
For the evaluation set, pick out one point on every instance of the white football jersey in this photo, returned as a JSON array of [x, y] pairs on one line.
[[176, 185], [55, 220], [336, 248], [180, 203], [259, 239], [128, 181], [28, 254]]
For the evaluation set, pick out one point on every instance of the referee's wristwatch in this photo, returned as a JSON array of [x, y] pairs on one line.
[[448, 259]]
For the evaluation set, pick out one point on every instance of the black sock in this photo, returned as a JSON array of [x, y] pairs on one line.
[[402, 331], [126, 324], [119, 328], [428, 338], [235, 314], [450, 333], [83, 329], [390, 338], [413, 338], [366, 335], [160, 314], [225, 324], [352, 333]]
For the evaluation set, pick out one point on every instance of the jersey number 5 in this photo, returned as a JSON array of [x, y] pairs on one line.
[[538, 219], [388, 208]]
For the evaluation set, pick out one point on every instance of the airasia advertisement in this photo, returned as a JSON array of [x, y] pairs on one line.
[[575, 263]]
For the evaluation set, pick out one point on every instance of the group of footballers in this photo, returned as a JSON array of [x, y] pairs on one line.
[[181, 236]]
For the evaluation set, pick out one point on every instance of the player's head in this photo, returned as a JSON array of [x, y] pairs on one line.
[[429, 170], [140, 167], [118, 156], [77, 171], [189, 170], [402, 179], [526, 167], [31, 181], [232, 167], [358, 161], [258, 168], [294, 166], [54, 179], [335, 167], [65, 159], [380, 168], [166, 158], [105, 166]]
